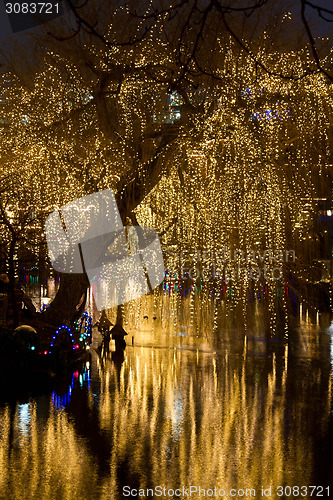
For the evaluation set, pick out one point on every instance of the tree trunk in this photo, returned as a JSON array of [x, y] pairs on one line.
[[131, 192], [12, 281], [64, 306]]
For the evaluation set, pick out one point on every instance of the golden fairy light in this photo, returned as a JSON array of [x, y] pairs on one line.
[[239, 155]]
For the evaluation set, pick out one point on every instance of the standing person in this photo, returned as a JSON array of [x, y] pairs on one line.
[[104, 328]]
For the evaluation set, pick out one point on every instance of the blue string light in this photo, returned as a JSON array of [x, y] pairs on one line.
[[63, 327]]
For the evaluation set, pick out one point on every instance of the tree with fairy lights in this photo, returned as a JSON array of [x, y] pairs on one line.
[[19, 228], [213, 149]]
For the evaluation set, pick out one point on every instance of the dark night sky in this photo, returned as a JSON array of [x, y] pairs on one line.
[[319, 27]]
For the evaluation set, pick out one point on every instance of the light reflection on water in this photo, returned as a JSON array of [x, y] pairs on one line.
[[210, 409]]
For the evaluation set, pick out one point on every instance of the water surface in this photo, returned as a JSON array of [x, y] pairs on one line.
[[194, 401]]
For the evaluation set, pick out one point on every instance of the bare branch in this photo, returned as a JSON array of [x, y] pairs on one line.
[[320, 10], [312, 42], [91, 29]]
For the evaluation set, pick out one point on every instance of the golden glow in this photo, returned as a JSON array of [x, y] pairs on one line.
[[236, 174], [180, 413]]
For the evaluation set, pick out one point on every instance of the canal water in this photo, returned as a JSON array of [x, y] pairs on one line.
[[194, 402]]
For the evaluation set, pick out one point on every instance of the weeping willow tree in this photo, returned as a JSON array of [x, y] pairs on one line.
[[247, 189], [220, 164]]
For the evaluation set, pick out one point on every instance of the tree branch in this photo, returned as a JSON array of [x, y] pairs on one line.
[[312, 42]]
